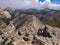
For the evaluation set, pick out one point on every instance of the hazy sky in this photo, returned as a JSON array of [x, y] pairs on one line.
[[38, 4]]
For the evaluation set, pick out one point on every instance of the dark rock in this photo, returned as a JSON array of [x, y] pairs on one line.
[[27, 34], [26, 38], [19, 33], [43, 32]]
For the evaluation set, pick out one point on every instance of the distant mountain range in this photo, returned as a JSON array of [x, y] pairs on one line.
[[46, 15]]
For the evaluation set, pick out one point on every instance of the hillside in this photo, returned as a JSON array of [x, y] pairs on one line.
[[47, 16], [23, 29]]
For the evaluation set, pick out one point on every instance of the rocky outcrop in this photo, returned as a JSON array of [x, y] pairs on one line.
[[5, 27], [34, 32], [26, 30]]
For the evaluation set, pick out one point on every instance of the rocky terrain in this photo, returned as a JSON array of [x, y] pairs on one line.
[[26, 30]]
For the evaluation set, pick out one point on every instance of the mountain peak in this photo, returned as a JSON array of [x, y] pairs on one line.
[[47, 9], [27, 20], [32, 22]]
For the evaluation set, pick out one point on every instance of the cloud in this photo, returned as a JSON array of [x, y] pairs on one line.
[[28, 4], [19, 3], [54, 6], [48, 4]]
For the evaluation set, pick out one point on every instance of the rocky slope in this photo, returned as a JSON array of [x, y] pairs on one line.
[[26, 30]]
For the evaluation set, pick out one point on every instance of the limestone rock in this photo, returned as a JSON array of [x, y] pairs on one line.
[[4, 14]]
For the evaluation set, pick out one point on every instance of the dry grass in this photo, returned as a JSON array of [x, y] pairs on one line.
[[55, 24]]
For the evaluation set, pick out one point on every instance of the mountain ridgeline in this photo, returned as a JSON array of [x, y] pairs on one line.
[[47, 16]]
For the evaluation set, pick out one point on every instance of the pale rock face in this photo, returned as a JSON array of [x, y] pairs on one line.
[[54, 30], [37, 24], [6, 13]]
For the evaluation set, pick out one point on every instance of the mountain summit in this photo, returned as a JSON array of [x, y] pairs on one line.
[[26, 29]]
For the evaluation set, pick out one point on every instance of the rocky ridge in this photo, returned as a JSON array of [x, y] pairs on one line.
[[47, 16], [28, 30]]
